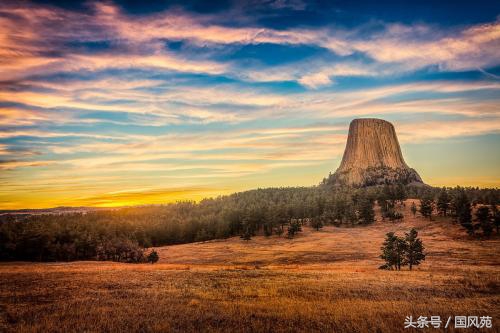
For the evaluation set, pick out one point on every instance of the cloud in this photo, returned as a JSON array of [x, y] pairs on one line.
[[35, 41], [470, 48], [74, 102], [51, 134], [10, 165], [13, 116], [415, 46], [103, 102], [432, 130], [144, 196], [315, 80]]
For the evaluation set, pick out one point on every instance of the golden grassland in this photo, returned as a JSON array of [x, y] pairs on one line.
[[320, 281]]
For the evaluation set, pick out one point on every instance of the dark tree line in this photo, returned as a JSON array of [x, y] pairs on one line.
[[475, 210], [123, 234]]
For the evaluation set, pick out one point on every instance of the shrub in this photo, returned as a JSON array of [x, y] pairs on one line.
[[153, 257]]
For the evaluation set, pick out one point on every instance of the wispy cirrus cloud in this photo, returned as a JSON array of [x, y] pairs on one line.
[[139, 42], [438, 130]]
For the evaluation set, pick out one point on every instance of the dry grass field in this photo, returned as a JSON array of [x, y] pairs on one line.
[[320, 281]]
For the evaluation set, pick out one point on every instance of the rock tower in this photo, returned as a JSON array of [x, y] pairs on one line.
[[373, 157]]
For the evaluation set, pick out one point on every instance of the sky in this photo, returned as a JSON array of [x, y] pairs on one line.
[[127, 103]]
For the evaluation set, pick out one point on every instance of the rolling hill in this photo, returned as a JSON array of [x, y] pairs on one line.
[[323, 280]]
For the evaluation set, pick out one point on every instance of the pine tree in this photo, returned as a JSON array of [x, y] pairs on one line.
[[388, 251], [250, 222], [317, 222], [366, 212], [393, 252], [387, 209], [413, 209], [270, 221], [414, 249], [283, 217], [443, 202], [247, 234], [153, 257], [400, 251], [401, 194], [453, 213], [495, 216], [426, 207], [350, 215], [293, 228], [463, 211], [483, 218], [268, 229]]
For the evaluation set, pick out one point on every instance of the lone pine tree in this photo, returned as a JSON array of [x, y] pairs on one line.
[[414, 249]]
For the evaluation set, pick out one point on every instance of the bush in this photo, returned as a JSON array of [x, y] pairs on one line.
[[293, 228], [153, 257]]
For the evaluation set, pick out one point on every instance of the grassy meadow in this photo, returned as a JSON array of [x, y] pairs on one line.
[[325, 280]]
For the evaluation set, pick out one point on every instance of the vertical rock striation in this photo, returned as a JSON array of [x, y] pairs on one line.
[[373, 157]]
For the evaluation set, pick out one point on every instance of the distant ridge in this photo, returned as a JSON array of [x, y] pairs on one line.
[[55, 210]]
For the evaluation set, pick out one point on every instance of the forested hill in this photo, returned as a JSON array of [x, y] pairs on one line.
[[122, 234]]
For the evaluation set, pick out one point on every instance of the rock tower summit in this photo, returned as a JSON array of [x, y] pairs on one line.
[[373, 157]]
